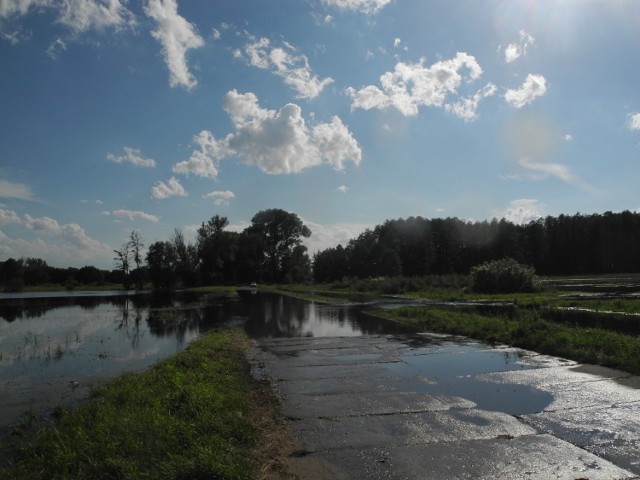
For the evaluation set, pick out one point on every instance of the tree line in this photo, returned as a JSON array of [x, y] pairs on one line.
[[563, 245], [271, 250]]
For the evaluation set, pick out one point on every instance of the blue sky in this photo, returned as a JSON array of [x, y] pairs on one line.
[[152, 115]]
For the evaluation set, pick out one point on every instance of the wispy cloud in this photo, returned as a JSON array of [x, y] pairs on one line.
[[172, 188], [285, 62], [133, 214], [343, 188], [220, 197], [364, 6], [411, 86], [534, 86], [634, 121], [177, 36], [515, 50], [546, 169], [132, 156], [55, 48], [16, 190]]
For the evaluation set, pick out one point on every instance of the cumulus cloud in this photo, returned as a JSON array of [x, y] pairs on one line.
[[284, 62], [534, 86], [19, 191], [634, 121], [220, 197], [277, 142], [42, 224], [364, 6], [411, 86], [132, 156], [8, 216], [325, 236], [9, 8], [177, 36], [515, 50], [280, 141], [523, 211], [133, 214], [172, 188], [203, 161]]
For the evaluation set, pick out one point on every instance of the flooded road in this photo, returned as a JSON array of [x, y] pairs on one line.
[[364, 398]]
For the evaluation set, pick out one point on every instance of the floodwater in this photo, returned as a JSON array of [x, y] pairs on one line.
[[54, 347]]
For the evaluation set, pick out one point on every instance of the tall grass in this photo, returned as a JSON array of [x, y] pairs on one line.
[[188, 417], [527, 329]]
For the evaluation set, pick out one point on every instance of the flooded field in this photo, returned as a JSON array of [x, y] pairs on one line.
[[54, 347]]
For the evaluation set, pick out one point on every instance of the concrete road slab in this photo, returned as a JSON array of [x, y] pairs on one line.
[[536, 457], [383, 403], [395, 430], [612, 433], [412, 406]]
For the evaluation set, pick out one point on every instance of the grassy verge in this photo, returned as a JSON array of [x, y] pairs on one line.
[[528, 330], [196, 415]]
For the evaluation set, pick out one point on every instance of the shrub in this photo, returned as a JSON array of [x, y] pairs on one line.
[[504, 276]]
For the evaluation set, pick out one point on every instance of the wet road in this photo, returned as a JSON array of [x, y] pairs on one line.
[[441, 407]]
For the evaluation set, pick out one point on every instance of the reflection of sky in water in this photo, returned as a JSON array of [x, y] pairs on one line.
[[51, 342]]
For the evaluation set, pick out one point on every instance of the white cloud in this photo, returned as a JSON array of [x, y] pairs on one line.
[[513, 51], [466, 108], [215, 33], [284, 62], [410, 86], [172, 188], [331, 235], [177, 36], [132, 156], [544, 169], [534, 86], [203, 161], [220, 197], [523, 211], [364, 6], [15, 190], [396, 42], [9, 8], [42, 224], [8, 216], [280, 142], [343, 188], [568, 137], [83, 15], [133, 214], [634, 121], [55, 48]]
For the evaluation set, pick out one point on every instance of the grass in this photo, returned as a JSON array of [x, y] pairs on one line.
[[527, 329], [196, 415]]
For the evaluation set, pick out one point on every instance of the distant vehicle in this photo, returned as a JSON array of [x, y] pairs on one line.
[[250, 291], [253, 285]]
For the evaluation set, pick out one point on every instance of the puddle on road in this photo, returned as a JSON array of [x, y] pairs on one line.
[[452, 370]]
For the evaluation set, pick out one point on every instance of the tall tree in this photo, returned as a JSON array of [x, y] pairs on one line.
[[122, 258], [136, 245], [216, 249], [281, 232]]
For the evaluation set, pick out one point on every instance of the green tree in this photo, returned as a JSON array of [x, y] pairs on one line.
[[281, 232], [136, 245], [162, 261], [216, 250], [504, 276]]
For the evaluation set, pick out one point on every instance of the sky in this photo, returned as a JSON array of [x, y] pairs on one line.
[[152, 115]]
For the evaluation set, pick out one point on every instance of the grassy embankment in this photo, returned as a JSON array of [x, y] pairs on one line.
[[198, 414]]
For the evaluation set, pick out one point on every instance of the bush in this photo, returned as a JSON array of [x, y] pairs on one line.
[[504, 276]]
